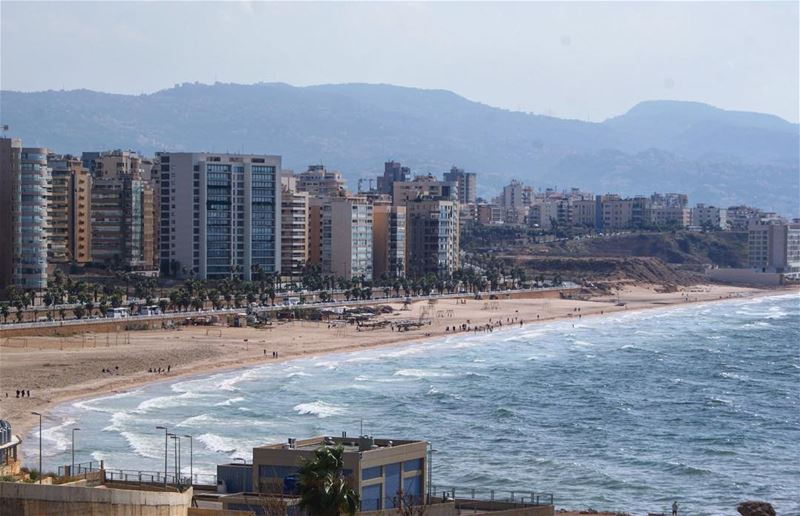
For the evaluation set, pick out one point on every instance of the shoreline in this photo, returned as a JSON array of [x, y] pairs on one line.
[[636, 299]]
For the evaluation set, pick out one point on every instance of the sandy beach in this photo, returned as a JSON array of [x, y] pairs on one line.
[[58, 369]]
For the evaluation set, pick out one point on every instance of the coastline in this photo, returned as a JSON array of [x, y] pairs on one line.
[[315, 340]]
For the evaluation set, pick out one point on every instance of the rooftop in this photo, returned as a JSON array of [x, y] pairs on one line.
[[350, 444]]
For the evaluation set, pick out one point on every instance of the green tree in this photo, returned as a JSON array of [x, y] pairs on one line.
[[324, 490]]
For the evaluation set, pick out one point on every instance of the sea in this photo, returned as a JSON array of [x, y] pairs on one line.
[[698, 404]]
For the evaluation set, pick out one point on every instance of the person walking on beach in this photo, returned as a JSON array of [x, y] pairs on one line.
[[675, 508]]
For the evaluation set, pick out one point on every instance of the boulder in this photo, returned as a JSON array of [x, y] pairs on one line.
[[752, 508]]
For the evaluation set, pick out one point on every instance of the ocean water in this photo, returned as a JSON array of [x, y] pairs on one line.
[[699, 404]]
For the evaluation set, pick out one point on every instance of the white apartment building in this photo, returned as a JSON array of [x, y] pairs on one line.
[[346, 237], [709, 216], [220, 214]]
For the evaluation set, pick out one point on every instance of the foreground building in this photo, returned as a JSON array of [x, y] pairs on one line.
[[220, 214], [379, 469], [69, 211]]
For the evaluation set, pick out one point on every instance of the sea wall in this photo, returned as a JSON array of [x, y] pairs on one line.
[[34, 499]]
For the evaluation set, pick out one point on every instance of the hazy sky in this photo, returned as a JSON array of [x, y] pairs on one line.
[[576, 60]]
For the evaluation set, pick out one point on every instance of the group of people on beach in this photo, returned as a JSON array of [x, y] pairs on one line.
[[275, 353], [22, 393], [159, 370], [109, 370]]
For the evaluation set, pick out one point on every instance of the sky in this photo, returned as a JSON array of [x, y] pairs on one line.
[[588, 61]]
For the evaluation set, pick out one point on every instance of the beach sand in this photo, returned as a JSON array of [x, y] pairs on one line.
[[57, 369]]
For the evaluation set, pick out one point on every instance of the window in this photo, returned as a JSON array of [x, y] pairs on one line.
[[370, 473], [371, 498]]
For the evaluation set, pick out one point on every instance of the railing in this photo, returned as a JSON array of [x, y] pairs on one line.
[[490, 499]]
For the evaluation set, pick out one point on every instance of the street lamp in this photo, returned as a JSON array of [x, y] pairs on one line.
[[72, 470], [177, 447], [191, 459], [166, 442], [40, 444]]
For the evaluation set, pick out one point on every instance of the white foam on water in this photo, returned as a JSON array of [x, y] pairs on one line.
[[421, 373], [230, 447], [201, 419], [149, 446], [59, 437], [319, 408], [229, 402], [91, 405]]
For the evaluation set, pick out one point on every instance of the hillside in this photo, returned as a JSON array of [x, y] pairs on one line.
[[716, 156]]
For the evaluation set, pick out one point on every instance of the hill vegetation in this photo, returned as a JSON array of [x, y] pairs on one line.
[[715, 156]]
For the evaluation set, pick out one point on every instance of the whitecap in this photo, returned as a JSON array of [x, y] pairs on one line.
[[318, 408], [229, 402], [420, 373]]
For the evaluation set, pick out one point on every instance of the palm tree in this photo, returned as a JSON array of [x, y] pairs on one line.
[[324, 491]]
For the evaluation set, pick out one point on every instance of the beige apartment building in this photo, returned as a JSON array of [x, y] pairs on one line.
[[773, 245], [388, 240], [320, 182], [490, 214], [294, 232], [432, 237], [709, 216], [423, 187], [68, 211], [346, 237], [379, 469], [669, 216]]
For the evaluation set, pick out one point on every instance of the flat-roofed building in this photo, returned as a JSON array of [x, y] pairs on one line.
[[25, 180], [380, 470], [220, 214], [704, 216], [346, 237], [321, 182], [433, 237], [10, 164], [388, 240], [773, 245], [740, 217], [490, 214], [466, 183], [294, 232], [423, 187], [674, 216], [392, 172]]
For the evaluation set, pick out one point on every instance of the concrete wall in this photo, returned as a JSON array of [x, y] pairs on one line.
[[745, 277], [34, 499]]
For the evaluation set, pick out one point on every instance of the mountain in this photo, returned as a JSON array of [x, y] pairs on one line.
[[716, 156]]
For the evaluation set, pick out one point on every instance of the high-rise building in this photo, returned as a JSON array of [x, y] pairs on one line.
[[320, 182], [294, 232], [388, 240], [24, 191], [68, 208], [122, 209], [220, 214], [773, 245], [392, 172], [433, 237], [466, 182], [346, 234], [517, 195], [10, 166]]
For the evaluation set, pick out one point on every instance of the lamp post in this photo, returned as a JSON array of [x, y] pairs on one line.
[[166, 442], [176, 447], [72, 470], [191, 459], [40, 444]]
